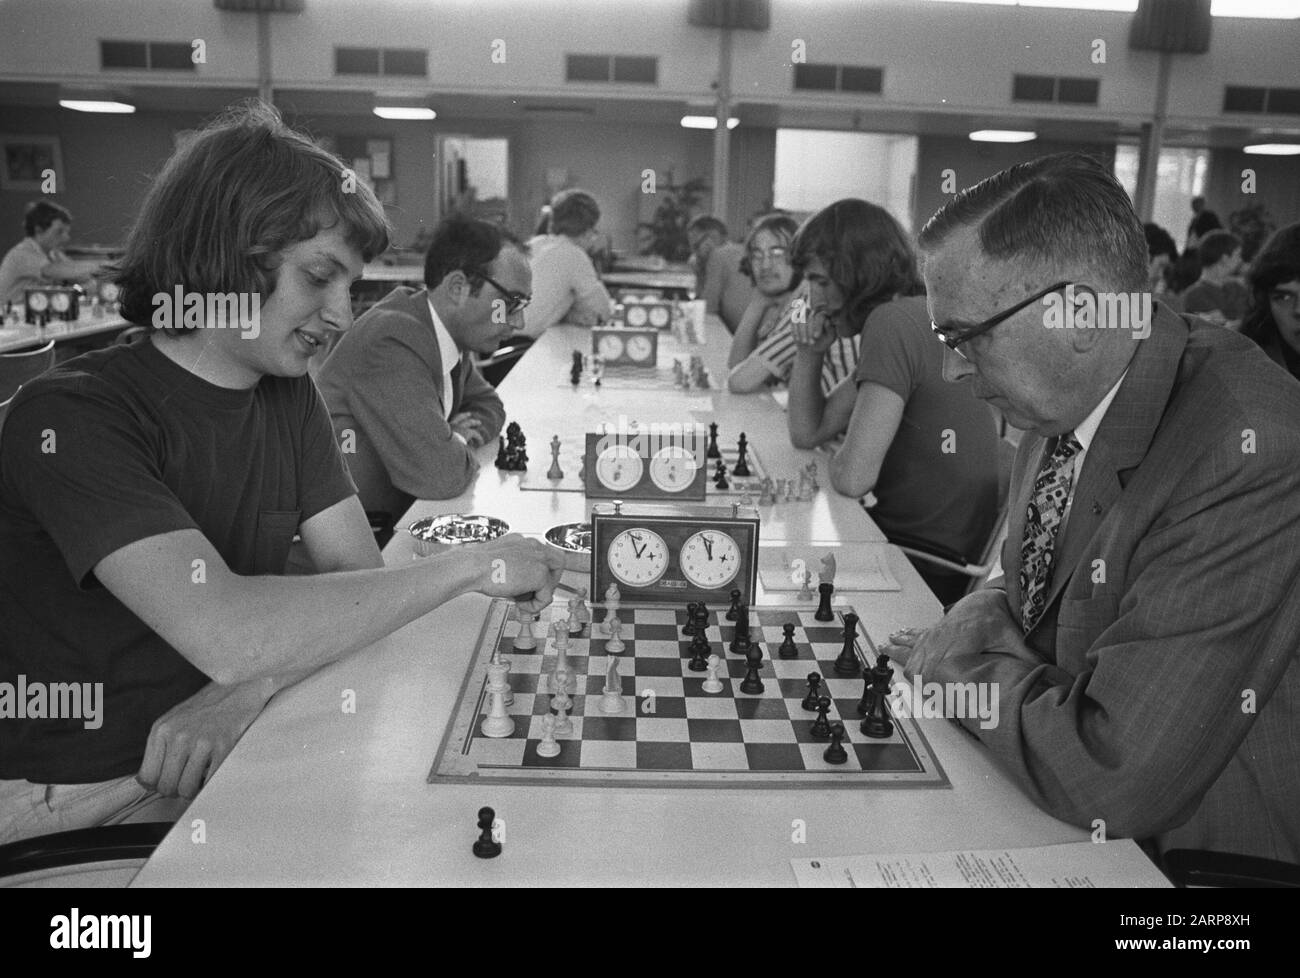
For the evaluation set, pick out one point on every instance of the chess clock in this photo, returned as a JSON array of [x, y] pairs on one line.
[[626, 347], [654, 315], [670, 555], [55, 302], [646, 465]]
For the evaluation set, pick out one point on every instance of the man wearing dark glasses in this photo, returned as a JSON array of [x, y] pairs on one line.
[[1143, 640], [409, 406]]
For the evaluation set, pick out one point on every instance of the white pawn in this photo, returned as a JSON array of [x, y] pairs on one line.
[[562, 704], [500, 660], [615, 645], [525, 641], [611, 601], [575, 621], [612, 701], [562, 655], [582, 611], [548, 747], [713, 684], [498, 722]]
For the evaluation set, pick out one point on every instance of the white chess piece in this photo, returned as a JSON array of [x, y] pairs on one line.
[[612, 701], [562, 704], [526, 640], [583, 612], [611, 601], [713, 684], [548, 746], [615, 645], [575, 622], [562, 655], [500, 660], [498, 722]]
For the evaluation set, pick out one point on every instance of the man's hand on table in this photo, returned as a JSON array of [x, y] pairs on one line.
[[514, 565], [979, 623], [188, 743], [470, 428]]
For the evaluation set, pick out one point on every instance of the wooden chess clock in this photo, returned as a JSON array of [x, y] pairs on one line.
[[671, 555], [626, 347], [55, 302], [656, 315], [646, 466]]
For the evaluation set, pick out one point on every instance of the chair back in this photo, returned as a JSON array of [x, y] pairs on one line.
[[18, 368]]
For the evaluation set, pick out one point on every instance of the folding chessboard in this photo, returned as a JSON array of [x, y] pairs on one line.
[[671, 733], [622, 377], [535, 480]]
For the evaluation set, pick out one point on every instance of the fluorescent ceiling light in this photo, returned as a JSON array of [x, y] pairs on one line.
[[1002, 136], [87, 105], [706, 122], [1273, 149], [1277, 9], [404, 112]]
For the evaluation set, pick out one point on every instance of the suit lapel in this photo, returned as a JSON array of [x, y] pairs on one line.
[[458, 374]]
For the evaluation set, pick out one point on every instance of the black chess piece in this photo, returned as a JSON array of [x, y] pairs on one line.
[[741, 468], [486, 847], [689, 627], [835, 753], [814, 685], [712, 450], [876, 722], [788, 650], [502, 459], [699, 652], [821, 728], [720, 481], [741, 632], [735, 604], [824, 612], [751, 683], [701, 617], [846, 664]]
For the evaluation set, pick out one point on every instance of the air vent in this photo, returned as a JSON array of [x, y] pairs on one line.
[[402, 62], [146, 56], [623, 69], [1047, 88], [1262, 101], [857, 79]]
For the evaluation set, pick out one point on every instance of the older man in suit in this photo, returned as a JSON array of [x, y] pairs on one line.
[[408, 404], [1143, 641]]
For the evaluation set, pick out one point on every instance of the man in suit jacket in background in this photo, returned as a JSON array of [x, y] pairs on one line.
[[1144, 639], [408, 404]]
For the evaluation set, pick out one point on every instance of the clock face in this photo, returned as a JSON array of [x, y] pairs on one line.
[[38, 301], [639, 348], [672, 468], [659, 317], [710, 559], [60, 301], [610, 347], [619, 468], [636, 315], [638, 557]]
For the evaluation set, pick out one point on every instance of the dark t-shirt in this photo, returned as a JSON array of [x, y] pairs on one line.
[[1230, 298], [939, 480], [113, 447]]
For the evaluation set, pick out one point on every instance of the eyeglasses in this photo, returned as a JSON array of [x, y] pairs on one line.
[[514, 300], [774, 255], [1284, 298], [954, 341]]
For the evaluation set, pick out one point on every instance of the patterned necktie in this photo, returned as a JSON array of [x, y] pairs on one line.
[[1042, 521]]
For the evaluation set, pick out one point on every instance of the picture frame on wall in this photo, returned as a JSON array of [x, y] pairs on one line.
[[24, 160]]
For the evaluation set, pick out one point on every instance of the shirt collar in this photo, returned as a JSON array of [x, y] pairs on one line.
[[1087, 428], [447, 348]]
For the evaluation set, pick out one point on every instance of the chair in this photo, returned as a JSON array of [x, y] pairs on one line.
[[18, 368], [495, 367], [1202, 867], [952, 561], [4, 409], [131, 336], [103, 856]]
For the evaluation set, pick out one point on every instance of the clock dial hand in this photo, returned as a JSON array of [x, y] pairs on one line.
[[708, 545], [635, 540]]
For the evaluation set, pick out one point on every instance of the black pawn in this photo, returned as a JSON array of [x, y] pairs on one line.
[[741, 631], [824, 612], [712, 450], [689, 627], [701, 617], [751, 683], [502, 458], [835, 753], [741, 468], [847, 662], [699, 652], [814, 685], [486, 847], [734, 610], [788, 649], [821, 728]]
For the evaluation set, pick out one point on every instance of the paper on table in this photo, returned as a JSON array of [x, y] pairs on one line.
[[782, 397], [1073, 865], [861, 567]]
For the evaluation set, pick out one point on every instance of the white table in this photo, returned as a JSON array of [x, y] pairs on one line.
[[313, 795], [26, 337]]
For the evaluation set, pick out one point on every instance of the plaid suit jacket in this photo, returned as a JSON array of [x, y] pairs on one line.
[[1167, 699]]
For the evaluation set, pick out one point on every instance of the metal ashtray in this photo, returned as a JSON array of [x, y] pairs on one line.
[[433, 533], [575, 540]]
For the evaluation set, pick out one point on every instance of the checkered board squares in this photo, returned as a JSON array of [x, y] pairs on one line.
[[535, 480], [625, 377], [672, 733]]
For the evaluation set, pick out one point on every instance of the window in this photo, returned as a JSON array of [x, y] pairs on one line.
[[838, 78], [388, 61], [146, 56], [625, 69]]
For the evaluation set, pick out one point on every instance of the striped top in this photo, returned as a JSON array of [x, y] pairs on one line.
[[777, 352]]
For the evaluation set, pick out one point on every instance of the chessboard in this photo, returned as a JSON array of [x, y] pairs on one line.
[[534, 478], [622, 377], [671, 733]]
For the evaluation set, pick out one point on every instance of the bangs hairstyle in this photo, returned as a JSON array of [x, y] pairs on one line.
[[1278, 262], [230, 200], [865, 252], [780, 226], [1062, 211]]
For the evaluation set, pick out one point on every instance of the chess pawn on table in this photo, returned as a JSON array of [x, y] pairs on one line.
[[713, 684], [561, 703], [500, 660], [615, 644], [561, 628], [612, 700], [548, 747], [555, 472], [498, 722], [526, 640], [575, 619], [582, 612], [612, 597]]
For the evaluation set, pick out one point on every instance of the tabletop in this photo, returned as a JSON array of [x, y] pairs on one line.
[[316, 795], [25, 337]]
